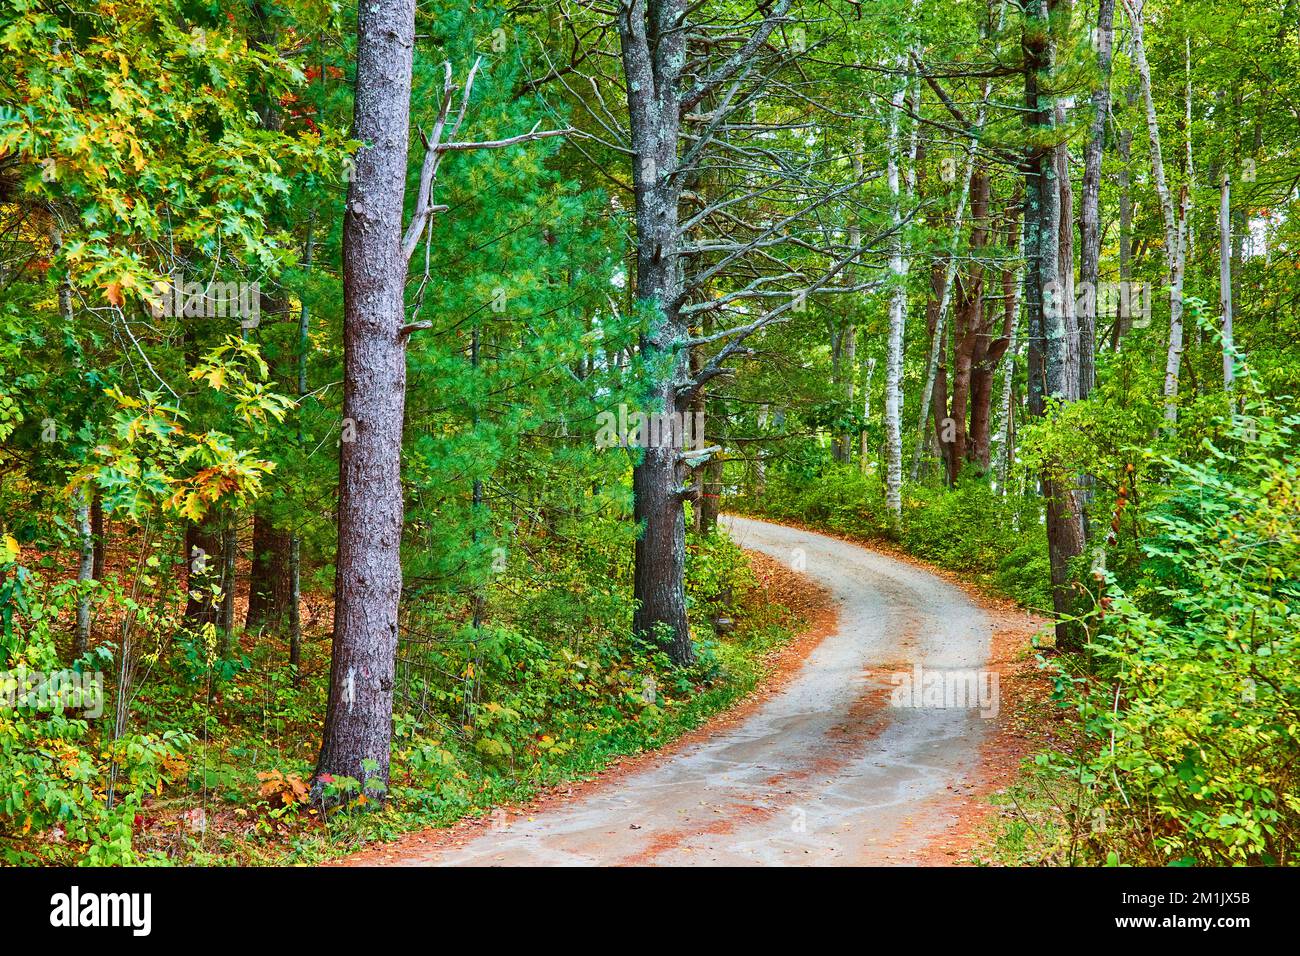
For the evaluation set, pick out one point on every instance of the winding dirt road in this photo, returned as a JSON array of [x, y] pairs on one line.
[[824, 772]]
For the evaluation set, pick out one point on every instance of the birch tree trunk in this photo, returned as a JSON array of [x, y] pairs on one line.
[[1090, 202], [1175, 225], [850, 360], [229, 552], [1065, 262], [897, 322], [1225, 277], [1124, 149], [85, 571], [864, 456], [849, 354], [1011, 327], [368, 581]]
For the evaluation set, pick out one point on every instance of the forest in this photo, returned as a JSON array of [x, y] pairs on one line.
[[588, 431]]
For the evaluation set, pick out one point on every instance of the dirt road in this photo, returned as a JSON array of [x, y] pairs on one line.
[[825, 772]]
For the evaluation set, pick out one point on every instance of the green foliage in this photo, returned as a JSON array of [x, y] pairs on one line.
[[1193, 703], [61, 782]]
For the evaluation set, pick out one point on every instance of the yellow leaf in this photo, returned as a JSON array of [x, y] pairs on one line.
[[9, 549]]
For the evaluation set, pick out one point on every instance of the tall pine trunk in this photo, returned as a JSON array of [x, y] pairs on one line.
[[368, 580], [653, 71]]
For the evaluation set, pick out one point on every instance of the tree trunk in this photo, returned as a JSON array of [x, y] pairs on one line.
[[1065, 265], [849, 368], [1225, 277], [1090, 203], [711, 496], [972, 376], [989, 355], [295, 539], [368, 580], [268, 578], [1175, 225], [1124, 147], [1011, 327], [653, 72], [864, 456], [660, 555], [85, 571], [699, 407], [229, 552], [1048, 339], [97, 531], [897, 322], [268, 574], [203, 569]]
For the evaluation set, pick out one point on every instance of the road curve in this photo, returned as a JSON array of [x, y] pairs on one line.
[[825, 772]]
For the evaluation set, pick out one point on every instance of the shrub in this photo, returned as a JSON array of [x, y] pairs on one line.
[[1194, 706]]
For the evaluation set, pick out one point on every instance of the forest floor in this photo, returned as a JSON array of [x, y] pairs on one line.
[[821, 769]]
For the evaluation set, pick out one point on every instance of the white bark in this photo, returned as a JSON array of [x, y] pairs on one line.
[[85, 569], [863, 449], [1225, 277], [897, 323], [1003, 467], [1175, 228]]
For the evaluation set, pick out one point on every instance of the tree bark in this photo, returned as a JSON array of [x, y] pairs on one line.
[[1010, 330], [1090, 203], [97, 531], [864, 451], [295, 538], [85, 571], [1225, 277], [653, 72], [1174, 223], [897, 323], [1048, 340], [268, 579], [1065, 267], [1124, 147], [988, 356], [203, 554], [368, 580], [229, 552]]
